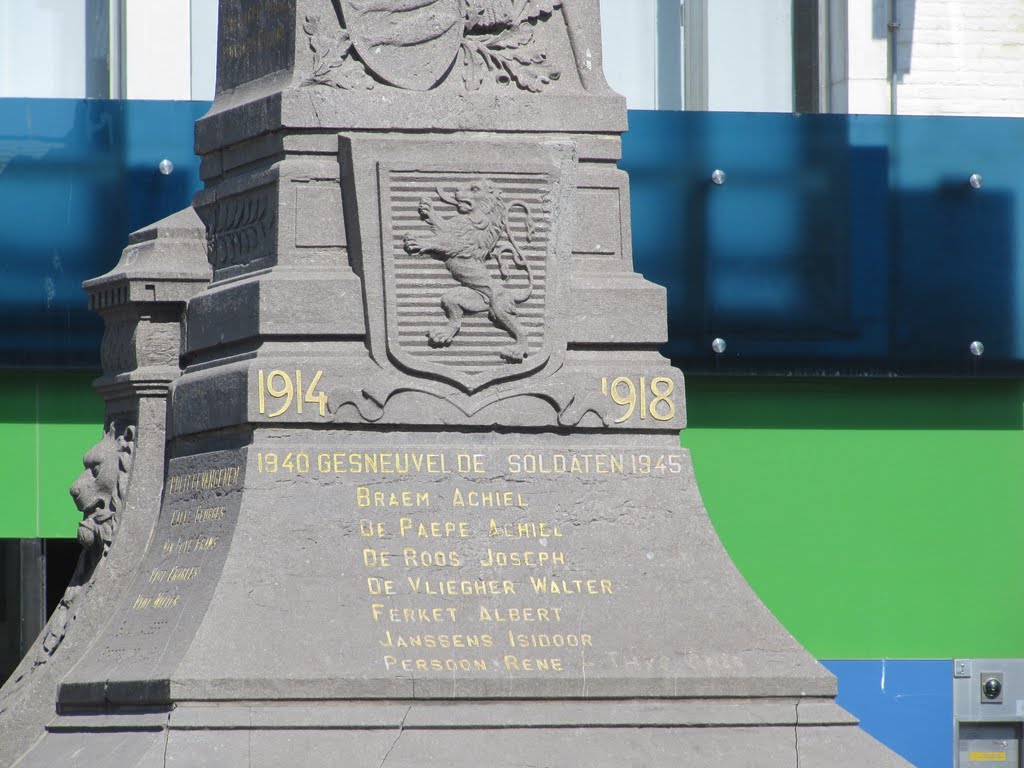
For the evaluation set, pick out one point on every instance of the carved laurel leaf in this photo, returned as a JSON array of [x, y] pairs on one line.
[[329, 53], [321, 47], [352, 78], [529, 80], [528, 71], [333, 60], [237, 229], [534, 8], [516, 37], [473, 67], [344, 43], [311, 25]]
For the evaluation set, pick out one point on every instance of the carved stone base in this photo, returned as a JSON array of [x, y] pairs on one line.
[[404, 734], [321, 598]]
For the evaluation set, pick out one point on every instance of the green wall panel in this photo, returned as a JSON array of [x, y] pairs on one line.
[[18, 456], [47, 422], [877, 519]]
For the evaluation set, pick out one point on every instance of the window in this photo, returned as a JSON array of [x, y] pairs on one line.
[[135, 49]]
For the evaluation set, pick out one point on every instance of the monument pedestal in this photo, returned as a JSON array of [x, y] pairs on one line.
[[422, 600], [428, 567], [402, 734], [424, 501]]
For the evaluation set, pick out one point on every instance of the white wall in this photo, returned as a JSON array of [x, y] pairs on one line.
[[157, 61], [629, 37], [954, 57], [859, 57], [962, 57], [42, 48], [750, 55], [204, 49]]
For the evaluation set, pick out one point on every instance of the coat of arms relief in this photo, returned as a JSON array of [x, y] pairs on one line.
[[464, 255], [467, 271], [414, 44]]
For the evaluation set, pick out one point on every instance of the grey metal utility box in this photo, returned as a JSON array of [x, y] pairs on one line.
[[988, 712]]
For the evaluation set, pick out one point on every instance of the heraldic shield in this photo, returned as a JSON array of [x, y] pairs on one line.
[[472, 255], [408, 43]]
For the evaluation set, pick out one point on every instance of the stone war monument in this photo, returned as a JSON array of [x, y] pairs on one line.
[[391, 472]]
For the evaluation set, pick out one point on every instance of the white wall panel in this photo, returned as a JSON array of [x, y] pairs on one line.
[[42, 48], [204, 49], [157, 61], [750, 55], [961, 57], [629, 35]]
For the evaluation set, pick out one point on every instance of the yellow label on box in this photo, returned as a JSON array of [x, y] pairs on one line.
[[987, 757]]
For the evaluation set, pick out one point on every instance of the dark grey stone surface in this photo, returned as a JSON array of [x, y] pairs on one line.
[[569, 583], [424, 501]]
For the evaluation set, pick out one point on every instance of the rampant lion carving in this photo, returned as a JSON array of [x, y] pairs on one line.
[[464, 242]]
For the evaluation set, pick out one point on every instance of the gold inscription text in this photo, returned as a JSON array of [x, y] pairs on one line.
[[367, 498], [638, 400], [523, 530], [550, 641], [432, 529], [412, 615], [522, 664], [183, 546], [543, 585], [401, 463], [143, 602], [423, 586], [500, 615], [530, 559], [204, 481], [488, 499], [282, 388], [436, 641], [435, 665]]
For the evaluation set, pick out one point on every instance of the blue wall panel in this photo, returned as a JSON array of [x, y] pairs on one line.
[[848, 244], [76, 176], [905, 704], [838, 244]]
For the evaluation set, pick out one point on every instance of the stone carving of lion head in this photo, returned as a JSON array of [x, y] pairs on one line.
[[99, 490], [99, 495]]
